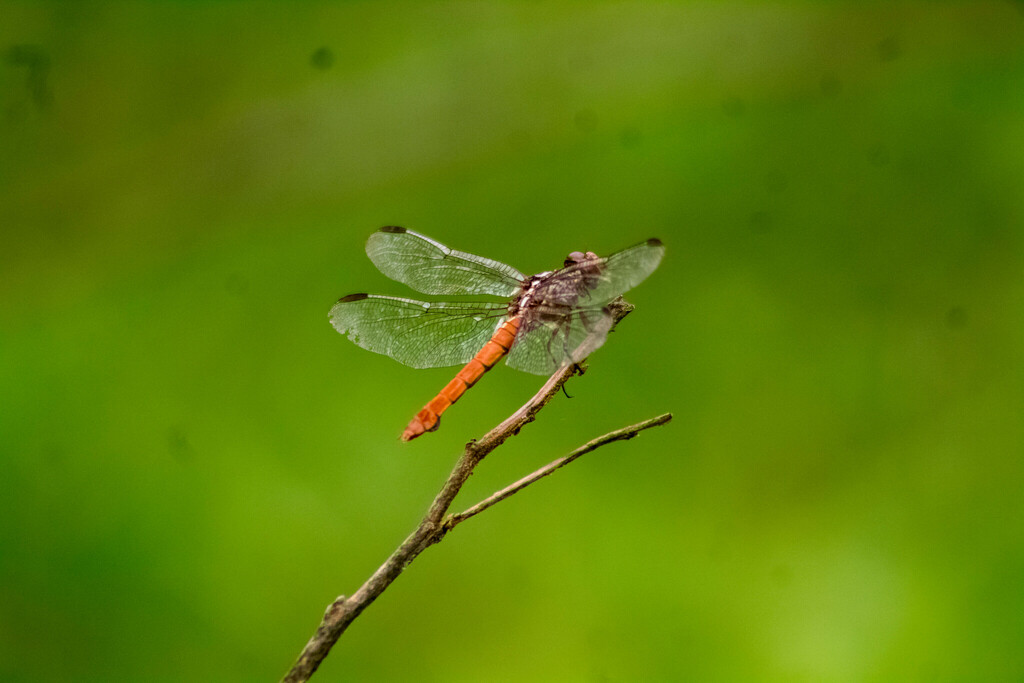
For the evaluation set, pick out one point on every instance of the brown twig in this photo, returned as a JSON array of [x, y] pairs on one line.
[[618, 435], [435, 525]]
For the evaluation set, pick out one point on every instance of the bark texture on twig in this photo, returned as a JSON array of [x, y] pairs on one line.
[[435, 525]]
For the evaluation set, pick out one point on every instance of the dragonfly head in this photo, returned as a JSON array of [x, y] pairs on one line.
[[579, 257]]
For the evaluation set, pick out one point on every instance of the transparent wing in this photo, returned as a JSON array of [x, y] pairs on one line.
[[417, 333], [432, 268], [541, 347], [595, 282]]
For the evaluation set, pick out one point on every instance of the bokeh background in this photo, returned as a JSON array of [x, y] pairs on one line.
[[193, 463]]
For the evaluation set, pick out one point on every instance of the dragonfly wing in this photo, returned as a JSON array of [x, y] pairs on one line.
[[432, 268], [417, 333], [543, 346], [595, 282]]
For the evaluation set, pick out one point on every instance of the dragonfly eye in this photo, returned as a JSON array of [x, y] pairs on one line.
[[574, 258], [579, 257]]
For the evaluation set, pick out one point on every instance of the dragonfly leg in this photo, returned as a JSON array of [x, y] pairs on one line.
[[565, 339], [555, 332]]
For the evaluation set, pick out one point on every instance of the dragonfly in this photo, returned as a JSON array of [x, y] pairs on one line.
[[544, 322]]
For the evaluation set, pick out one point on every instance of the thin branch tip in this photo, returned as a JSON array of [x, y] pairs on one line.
[[624, 434]]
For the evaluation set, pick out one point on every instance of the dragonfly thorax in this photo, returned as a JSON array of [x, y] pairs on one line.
[[550, 296], [525, 297]]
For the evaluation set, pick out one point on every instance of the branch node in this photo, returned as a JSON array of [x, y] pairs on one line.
[[338, 603], [440, 531], [474, 452], [447, 524]]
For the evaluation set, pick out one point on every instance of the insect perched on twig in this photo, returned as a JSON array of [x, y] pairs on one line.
[[546, 322]]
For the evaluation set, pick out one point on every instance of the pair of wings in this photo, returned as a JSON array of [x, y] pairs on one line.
[[425, 334]]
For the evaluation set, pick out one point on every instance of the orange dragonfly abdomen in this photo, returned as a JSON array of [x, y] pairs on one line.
[[429, 419]]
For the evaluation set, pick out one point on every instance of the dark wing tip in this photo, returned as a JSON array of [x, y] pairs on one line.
[[654, 242], [353, 297], [392, 228]]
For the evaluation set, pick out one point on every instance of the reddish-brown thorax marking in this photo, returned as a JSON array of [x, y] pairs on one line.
[[428, 419]]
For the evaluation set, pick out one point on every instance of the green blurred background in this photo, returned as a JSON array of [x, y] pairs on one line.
[[193, 463]]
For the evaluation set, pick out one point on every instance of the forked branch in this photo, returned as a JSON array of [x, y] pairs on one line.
[[435, 524]]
